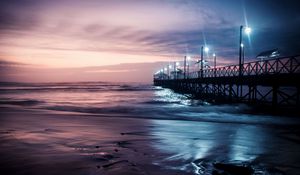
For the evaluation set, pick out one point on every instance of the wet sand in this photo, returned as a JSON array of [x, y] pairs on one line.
[[40, 142], [34, 142]]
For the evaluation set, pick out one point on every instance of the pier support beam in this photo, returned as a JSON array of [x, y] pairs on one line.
[[274, 96]]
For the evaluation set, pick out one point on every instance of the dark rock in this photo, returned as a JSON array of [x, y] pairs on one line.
[[233, 169], [123, 144], [275, 171], [100, 159], [114, 163], [108, 156], [217, 173]]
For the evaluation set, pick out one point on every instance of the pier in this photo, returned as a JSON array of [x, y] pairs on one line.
[[274, 82]]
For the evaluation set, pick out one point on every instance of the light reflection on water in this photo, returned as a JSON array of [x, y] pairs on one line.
[[187, 142], [168, 96], [197, 140]]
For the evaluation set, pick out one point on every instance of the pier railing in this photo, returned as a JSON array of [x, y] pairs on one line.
[[272, 81], [282, 65]]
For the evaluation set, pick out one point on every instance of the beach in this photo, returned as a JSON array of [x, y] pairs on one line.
[[168, 135], [43, 143], [47, 143]]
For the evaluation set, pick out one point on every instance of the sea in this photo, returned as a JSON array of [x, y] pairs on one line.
[[133, 100], [189, 129]]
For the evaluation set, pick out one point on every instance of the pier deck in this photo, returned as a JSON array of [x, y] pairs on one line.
[[273, 81]]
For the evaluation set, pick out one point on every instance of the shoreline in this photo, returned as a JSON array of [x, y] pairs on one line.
[[36, 142]]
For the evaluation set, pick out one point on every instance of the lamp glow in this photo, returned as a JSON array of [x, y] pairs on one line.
[[206, 49], [248, 30]]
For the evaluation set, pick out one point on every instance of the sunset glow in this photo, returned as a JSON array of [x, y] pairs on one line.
[[69, 34]]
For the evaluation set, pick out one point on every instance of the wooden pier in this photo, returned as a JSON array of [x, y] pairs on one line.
[[274, 82]]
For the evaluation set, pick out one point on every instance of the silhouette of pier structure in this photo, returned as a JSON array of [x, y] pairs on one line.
[[273, 82]]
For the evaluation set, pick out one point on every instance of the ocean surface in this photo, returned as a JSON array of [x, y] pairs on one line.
[[191, 131], [125, 100]]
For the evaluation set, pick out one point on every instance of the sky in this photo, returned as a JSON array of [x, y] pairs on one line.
[[129, 40]]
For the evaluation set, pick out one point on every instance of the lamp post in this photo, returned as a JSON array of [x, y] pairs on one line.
[[243, 53], [177, 64], [184, 67], [240, 51], [175, 70], [166, 70], [247, 31], [206, 49], [169, 72], [201, 62], [215, 64], [188, 66]]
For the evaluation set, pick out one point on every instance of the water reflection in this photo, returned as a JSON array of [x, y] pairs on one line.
[[168, 96], [187, 141]]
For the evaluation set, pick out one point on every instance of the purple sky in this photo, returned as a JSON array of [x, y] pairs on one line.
[[123, 38]]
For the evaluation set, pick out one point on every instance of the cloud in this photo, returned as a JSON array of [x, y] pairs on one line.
[[111, 70], [34, 30], [11, 63], [130, 72]]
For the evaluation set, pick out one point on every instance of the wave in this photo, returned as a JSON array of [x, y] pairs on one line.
[[171, 113], [51, 89], [75, 87], [102, 110], [29, 102], [159, 102]]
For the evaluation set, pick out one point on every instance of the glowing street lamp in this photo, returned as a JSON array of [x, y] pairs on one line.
[[169, 71], [169, 67], [185, 66], [166, 72], [247, 31], [176, 67], [188, 65], [206, 49]]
